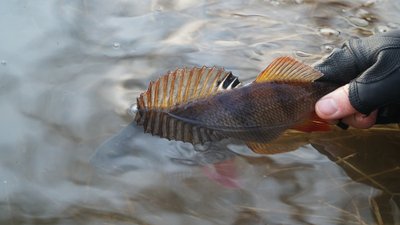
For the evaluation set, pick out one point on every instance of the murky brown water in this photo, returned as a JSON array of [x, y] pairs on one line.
[[70, 69]]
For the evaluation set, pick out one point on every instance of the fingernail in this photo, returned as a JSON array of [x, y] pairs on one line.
[[327, 106]]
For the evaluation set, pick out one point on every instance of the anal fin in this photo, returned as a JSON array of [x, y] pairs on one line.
[[267, 148], [288, 141]]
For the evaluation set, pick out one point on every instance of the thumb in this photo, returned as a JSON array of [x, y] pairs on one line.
[[336, 105]]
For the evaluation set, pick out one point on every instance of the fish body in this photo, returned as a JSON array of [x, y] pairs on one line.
[[258, 112], [208, 104]]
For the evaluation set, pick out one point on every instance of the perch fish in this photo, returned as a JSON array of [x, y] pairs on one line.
[[200, 105]]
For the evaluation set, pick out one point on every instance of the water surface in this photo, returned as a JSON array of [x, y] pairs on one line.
[[69, 71]]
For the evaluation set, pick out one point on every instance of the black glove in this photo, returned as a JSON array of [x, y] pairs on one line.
[[371, 66]]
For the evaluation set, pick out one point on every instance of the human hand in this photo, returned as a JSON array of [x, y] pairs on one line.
[[336, 106], [368, 71]]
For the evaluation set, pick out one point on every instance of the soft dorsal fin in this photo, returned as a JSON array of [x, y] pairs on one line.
[[175, 89], [288, 69]]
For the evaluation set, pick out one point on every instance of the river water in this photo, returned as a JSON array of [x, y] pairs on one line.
[[69, 154]]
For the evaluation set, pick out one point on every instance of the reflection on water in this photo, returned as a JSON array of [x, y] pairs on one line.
[[70, 69]]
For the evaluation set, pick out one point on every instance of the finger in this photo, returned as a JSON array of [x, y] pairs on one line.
[[361, 121], [339, 67], [335, 105]]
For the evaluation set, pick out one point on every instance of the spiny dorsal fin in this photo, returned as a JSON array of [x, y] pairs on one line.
[[185, 85], [288, 69], [174, 89]]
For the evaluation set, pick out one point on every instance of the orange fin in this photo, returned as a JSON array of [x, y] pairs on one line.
[[313, 124], [290, 140], [288, 69], [177, 88], [185, 85], [270, 148]]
